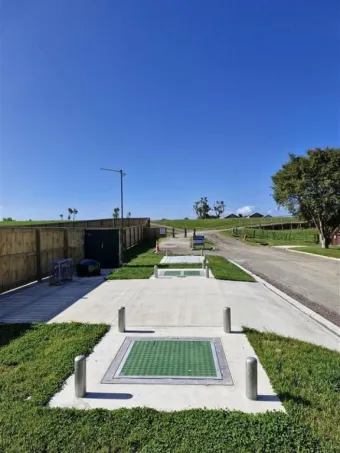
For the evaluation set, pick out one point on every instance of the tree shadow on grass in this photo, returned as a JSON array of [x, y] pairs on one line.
[[9, 332]]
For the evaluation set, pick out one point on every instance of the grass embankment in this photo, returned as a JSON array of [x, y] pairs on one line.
[[218, 224], [15, 223], [140, 262], [257, 236], [333, 252], [36, 359]]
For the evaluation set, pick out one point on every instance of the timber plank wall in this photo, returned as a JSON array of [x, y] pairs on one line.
[[26, 254]]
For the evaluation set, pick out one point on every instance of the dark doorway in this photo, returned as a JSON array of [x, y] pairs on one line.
[[102, 244]]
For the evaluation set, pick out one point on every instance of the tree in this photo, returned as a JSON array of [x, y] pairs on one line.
[[116, 213], [61, 216], [73, 212], [219, 208], [202, 208], [8, 219], [309, 186], [240, 215], [128, 215]]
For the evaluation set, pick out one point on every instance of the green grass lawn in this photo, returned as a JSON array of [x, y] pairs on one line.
[[141, 261], [35, 360], [333, 252], [217, 224], [223, 269], [256, 236]]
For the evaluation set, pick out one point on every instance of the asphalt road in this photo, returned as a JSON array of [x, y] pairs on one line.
[[311, 280]]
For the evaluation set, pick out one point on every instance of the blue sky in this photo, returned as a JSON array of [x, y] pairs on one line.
[[191, 98]]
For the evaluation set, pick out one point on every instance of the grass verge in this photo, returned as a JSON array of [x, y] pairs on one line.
[[223, 269], [333, 252], [36, 359]]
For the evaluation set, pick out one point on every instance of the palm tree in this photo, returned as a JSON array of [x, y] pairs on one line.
[[61, 216], [116, 213], [70, 211], [128, 216], [75, 212]]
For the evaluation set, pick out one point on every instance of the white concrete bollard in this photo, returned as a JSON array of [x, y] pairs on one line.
[[80, 376], [207, 272], [251, 378], [155, 271], [226, 320], [121, 319]]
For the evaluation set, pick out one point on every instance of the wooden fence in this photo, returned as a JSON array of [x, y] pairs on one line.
[[96, 223], [26, 254]]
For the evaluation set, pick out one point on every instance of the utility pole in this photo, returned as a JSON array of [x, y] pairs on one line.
[[121, 244]]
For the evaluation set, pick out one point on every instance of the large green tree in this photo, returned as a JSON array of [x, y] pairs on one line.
[[219, 208], [309, 186]]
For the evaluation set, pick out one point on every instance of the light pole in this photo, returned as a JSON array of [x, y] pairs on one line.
[[122, 174]]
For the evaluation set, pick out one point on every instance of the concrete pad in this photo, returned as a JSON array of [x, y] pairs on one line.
[[193, 302], [170, 397], [184, 259]]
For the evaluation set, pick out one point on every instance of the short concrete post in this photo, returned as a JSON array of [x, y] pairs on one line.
[[121, 319], [173, 232], [251, 378], [204, 263], [207, 272], [155, 271], [202, 254], [80, 376], [226, 320], [185, 232]]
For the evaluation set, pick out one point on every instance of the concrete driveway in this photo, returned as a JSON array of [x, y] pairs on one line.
[[311, 280]]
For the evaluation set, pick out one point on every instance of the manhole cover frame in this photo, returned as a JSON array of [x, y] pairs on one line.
[[223, 376]]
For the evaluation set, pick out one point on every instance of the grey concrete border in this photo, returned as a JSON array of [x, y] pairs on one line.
[[223, 373], [307, 311]]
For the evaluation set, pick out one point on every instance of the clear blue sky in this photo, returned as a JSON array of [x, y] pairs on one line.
[[191, 98]]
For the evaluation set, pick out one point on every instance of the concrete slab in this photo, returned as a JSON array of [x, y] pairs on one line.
[[170, 397], [184, 259], [40, 302], [196, 302]]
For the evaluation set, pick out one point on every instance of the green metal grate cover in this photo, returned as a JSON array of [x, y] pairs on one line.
[[194, 273], [172, 273], [175, 358]]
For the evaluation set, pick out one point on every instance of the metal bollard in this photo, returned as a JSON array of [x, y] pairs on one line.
[[226, 320], [207, 272], [80, 376], [251, 378], [202, 254], [155, 271], [173, 232], [185, 232], [121, 319], [204, 263]]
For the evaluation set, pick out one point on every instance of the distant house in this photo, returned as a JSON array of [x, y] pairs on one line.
[[268, 216], [256, 215], [231, 216]]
